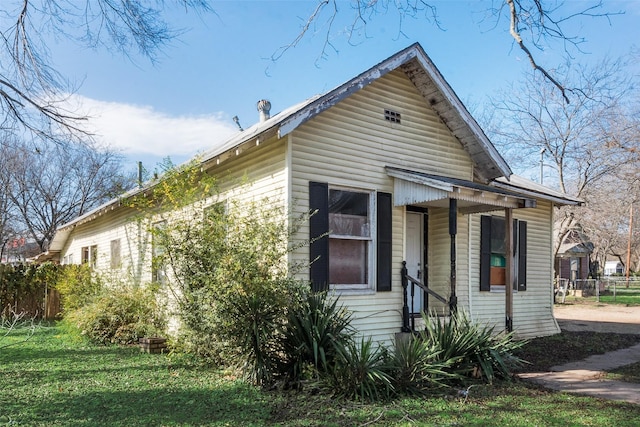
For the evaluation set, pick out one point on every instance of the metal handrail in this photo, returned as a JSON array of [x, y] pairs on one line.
[[427, 290], [405, 308]]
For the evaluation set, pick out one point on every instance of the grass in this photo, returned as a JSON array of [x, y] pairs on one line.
[[629, 373], [54, 380], [623, 296], [615, 293]]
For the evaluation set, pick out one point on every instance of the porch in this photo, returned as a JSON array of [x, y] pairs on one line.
[[422, 288]]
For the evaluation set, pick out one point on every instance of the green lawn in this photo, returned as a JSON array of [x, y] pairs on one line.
[[54, 380], [622, 295]]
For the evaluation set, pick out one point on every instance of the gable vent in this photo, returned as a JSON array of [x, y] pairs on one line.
[[392, 116]]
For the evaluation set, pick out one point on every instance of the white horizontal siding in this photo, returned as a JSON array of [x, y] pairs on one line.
[[349, 145], [257, 175], [119, 224], [533, 308], [439, 252]]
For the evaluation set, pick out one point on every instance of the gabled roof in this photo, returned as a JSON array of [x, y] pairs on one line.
[[488, 163], [417, 65]]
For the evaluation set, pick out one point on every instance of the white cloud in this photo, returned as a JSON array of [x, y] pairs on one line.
[[141, 130]]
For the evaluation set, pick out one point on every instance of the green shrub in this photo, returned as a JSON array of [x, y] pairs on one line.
[[470, 349], [24, 289], [78, 286], [361, 372], [119, 315], [253, 329], [316, 334], [417, 368], [232, 284]]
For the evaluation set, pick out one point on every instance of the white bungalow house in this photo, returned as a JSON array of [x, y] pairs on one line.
[[401, 176]]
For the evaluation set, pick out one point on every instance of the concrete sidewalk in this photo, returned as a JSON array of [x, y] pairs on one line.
[[587, 376]]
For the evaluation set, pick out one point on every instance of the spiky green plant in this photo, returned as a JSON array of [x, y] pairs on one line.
[[471, 349], [362, 372], [316, 334], [417, 367]]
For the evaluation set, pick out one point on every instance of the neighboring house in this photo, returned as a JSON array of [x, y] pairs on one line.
[[613, 268], [573, 260], [18, 250], [399, 171]]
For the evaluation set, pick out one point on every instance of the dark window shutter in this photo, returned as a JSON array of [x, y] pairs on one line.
[[319, 225], [383, 245], [485, 253], [522, 258]]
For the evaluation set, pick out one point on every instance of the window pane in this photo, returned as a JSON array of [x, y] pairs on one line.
[[115, 253], [349, 213], [348, 262], [497, 236]]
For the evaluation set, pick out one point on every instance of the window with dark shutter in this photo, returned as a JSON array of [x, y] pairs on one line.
[[347, 235], [318, 229], [493, 256], [383, 244], [522, 256]]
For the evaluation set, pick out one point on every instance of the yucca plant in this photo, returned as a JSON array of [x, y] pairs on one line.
[[417, 367], [258, 326], [316, 333], [362, 372], [471, 349]]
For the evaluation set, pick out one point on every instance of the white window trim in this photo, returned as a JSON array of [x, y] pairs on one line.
[[364, 288]]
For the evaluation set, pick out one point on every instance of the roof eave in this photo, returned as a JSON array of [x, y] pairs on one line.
[[558, 200]]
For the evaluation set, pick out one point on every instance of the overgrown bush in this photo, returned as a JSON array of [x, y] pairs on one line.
[[229, 275], [120, 315], [252, 324], [78, 286], [25, 287], [469, 349]]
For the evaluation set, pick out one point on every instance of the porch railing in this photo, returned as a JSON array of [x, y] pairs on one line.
[[408, 321]]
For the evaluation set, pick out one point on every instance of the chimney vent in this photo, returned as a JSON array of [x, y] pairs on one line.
[[264, 107]]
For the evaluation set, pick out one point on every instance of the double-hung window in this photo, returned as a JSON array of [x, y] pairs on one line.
[[350, 238], [494, 257], [350, 232], [89, 255], [158, 267]]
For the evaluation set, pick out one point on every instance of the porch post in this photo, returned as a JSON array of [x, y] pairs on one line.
[[405, 307], [453, 230], [509, 270]]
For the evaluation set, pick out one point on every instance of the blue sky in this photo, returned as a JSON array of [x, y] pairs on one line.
[[221, 66]]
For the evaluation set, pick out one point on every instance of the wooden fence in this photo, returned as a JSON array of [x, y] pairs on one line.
[[28, 289]]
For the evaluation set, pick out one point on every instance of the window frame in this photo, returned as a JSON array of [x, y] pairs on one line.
[[519, 235], [370, 249], [116, 253], [319, 240], [89, 255], [158, 270]]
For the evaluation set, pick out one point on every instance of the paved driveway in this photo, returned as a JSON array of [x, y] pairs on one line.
[[598, 317]]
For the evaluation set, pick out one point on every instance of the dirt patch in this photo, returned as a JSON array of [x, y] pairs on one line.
[[598, 318]]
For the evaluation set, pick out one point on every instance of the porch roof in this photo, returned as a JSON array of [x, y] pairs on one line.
[[416, 188]]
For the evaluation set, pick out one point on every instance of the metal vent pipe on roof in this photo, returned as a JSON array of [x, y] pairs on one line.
[[264, 107]]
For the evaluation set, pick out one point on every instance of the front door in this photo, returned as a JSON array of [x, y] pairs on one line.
[[416, 258]]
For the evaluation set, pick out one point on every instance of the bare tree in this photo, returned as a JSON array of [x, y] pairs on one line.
[[56, 183], [584, 145], [32, 92], [532, 24], [580, 142]]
